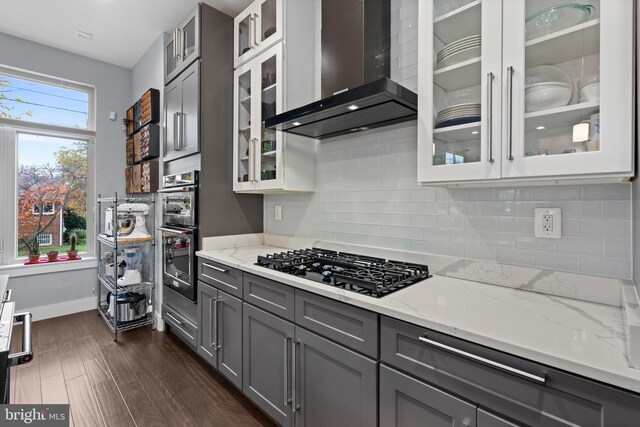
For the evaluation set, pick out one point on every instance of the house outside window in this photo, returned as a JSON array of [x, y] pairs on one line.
[[48, 208], [45, 239]]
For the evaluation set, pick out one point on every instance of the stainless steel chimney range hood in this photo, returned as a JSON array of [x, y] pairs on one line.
[[356, 52], [376, 104]]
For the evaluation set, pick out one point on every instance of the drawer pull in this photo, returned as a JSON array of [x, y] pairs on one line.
[[221, 270], [173, 318], [536, 378]]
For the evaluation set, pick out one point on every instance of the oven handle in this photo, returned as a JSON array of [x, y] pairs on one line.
[[183, 189], [26, 355], [180, 231]]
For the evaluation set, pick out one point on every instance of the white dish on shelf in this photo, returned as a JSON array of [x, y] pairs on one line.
[[459, 44], [556, 18], [546, 73], [591, 93], [460, 56], [542, 96]]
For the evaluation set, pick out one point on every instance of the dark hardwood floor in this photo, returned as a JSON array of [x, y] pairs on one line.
[[147, 378]]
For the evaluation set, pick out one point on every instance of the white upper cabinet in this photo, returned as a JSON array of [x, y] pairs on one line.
[[276, 79], [515, 90], [257, 28]]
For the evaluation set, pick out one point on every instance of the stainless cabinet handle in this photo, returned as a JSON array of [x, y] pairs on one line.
[[181, 134], [8, 295], [26, 355], [175, 42], [220, 324], [256, 150], [294, 368], [285, 352], [221, 270], [175, 131], [509, 113], [212, 326], [255, 30], [490, 158], [214, 343], [252, 29], [526, 375], [250, 165], [179, 43], [170, 316]]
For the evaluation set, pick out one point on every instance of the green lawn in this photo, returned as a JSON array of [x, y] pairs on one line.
[[62, 249]]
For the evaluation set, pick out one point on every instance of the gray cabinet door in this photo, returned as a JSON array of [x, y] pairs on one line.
[[407, 402], [207, 313], [190, 77], [229, 336], [486, 419], [172, 110], [266, 367], [335, 386]]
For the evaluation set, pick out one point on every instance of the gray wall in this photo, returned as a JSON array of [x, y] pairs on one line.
[[113, 93], [635, 185], [148, 73]]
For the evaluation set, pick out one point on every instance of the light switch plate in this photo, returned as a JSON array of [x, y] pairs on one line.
[[278, 213], [548, 223]]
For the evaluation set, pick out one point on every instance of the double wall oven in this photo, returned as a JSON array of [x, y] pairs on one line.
[[180, 233]]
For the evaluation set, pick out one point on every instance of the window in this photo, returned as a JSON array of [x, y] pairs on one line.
[[45, 239], [46, 125], [47, 208]]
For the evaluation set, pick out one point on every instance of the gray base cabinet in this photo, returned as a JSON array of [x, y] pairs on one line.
[[407, 402], [266, 363], [486, 419], [220, 337], [335, 386]]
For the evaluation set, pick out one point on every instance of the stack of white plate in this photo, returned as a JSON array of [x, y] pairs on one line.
[[458, 51], [458, 115]]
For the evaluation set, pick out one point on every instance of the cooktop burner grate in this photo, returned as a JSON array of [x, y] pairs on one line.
[[365, 275]]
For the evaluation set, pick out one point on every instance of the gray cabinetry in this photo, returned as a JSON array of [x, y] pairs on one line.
[[515, 388], [185, 329], [220, 343], [407, 402], [266, 363], [182, 46], [486, 419], [181, 114], [207, 313], [269, 295], [334, 386], [352, 326], [222, 277], [230, 338]]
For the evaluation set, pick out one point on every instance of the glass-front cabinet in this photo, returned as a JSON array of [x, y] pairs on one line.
[[258, 96], [517, 90], [182, 46], [257, 28]]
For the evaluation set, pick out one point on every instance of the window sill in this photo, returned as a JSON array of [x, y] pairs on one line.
[[19, 269]]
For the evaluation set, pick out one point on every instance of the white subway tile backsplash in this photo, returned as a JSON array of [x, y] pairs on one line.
[[367, 193]]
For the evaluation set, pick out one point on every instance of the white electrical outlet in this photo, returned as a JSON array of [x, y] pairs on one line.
[[278, 213], [548, 223]]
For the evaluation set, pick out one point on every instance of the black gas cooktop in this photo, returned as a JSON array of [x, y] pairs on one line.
[[375, 277]]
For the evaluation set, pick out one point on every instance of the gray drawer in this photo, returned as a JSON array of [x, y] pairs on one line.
[[221, 276], [351, 326], [562, 400], [269, 295], [180, 326]]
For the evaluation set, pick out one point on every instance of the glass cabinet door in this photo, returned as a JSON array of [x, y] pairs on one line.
[[269, 21], [460, 104], [189, 42], [169, 58], [244, 38], [268, 138], [243, 137], [561, 66]]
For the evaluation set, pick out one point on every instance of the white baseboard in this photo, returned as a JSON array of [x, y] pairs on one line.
[[61, 309]]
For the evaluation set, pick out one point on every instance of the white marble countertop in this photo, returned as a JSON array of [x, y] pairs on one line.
[[582, 337]]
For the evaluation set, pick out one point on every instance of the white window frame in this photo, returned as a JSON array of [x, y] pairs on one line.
[[51, 212], [50, 240], [9, 132]]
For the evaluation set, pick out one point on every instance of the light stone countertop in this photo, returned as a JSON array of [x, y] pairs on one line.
[[581, 337]]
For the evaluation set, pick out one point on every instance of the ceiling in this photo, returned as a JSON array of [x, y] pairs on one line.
[[122, 30]]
